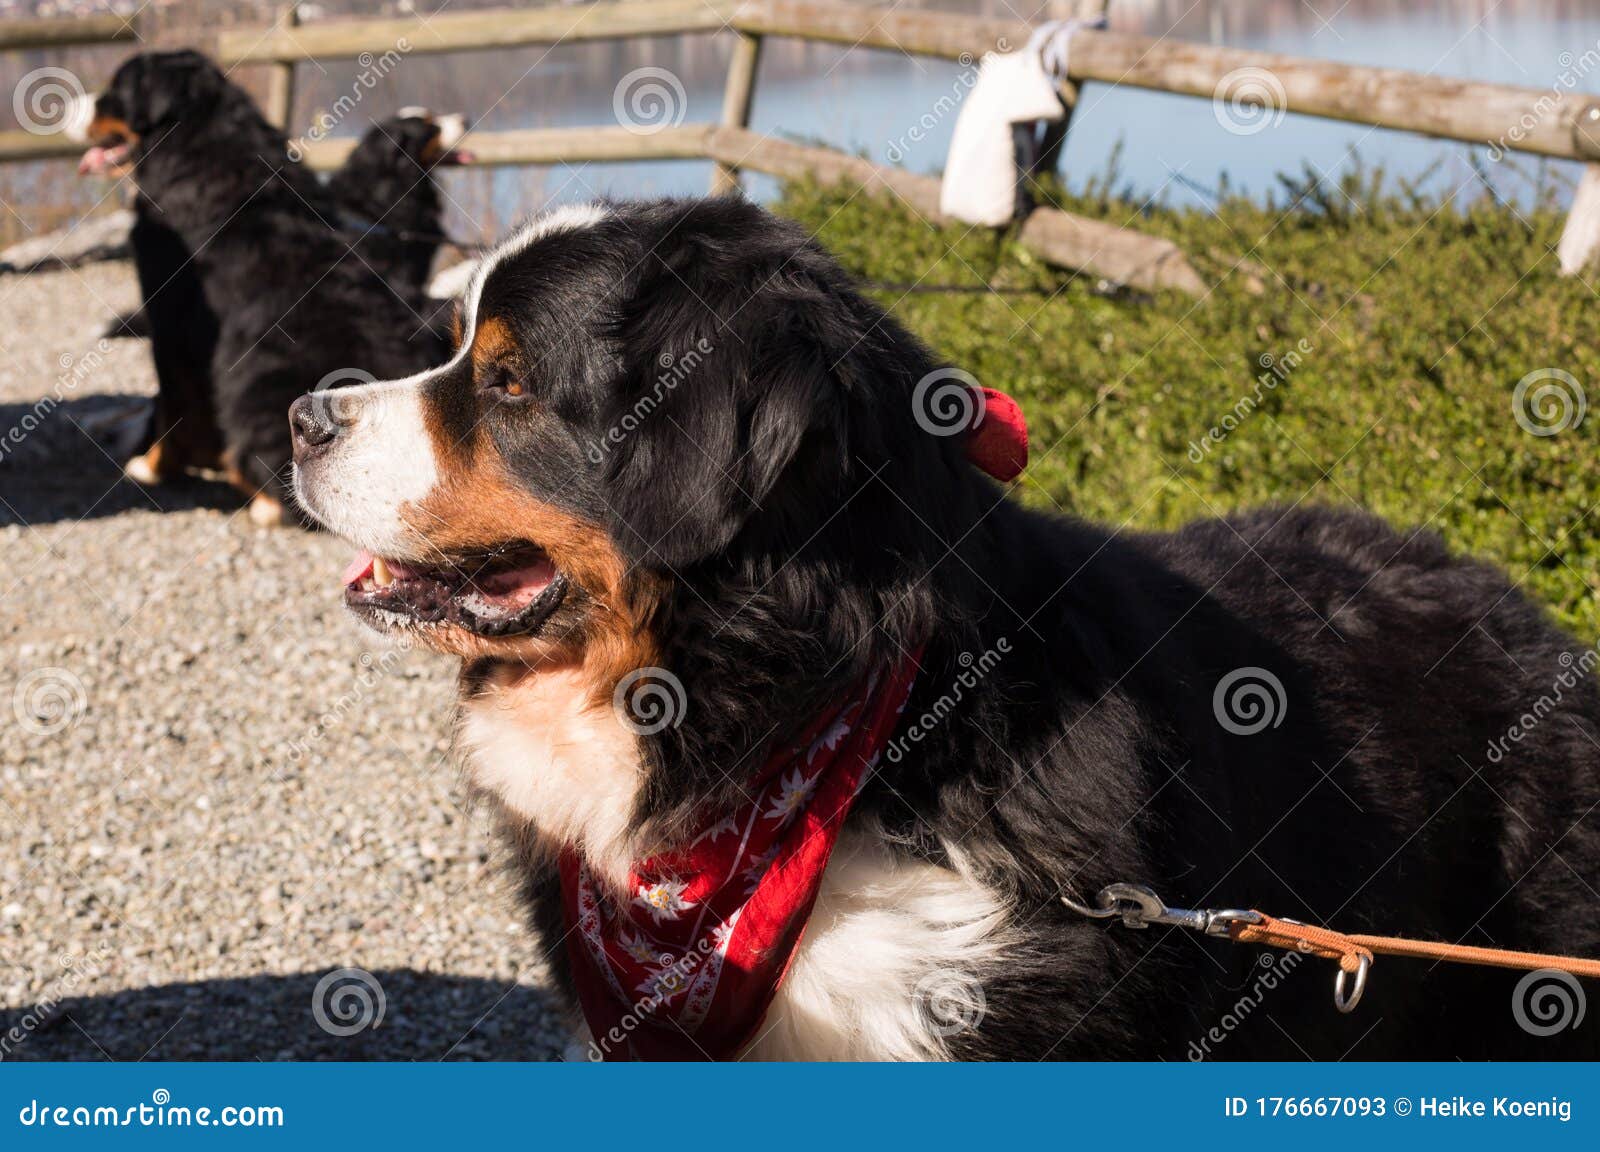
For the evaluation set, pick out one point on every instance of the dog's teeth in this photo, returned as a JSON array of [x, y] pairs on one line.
[[381, 573]]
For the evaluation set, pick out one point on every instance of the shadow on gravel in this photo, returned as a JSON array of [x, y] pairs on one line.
[[62, 461], [425, 1017]]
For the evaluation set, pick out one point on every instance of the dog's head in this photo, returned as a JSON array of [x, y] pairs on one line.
[[411, 142], [643, 396], [148, 94]]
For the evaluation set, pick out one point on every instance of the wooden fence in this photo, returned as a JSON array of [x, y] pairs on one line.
[[1537, 121]]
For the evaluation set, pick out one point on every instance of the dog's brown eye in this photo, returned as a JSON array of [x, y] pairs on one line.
[[503, 379]]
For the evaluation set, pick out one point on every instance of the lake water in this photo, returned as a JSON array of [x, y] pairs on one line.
[[1173, 147], [863, 100]]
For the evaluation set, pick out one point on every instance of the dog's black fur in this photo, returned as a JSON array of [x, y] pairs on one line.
[[389, 208], [389, 197], [792, 525], [832, 534], [291, 303], [182, 328]]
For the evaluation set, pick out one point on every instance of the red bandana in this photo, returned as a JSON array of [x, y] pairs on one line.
[[686, 968]]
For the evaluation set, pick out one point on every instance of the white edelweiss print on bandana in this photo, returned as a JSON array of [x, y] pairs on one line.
[[663, 899]]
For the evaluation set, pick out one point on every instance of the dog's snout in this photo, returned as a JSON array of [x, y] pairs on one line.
[[312, 424]]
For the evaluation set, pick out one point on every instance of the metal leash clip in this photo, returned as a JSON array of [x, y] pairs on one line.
[[1140, 907]]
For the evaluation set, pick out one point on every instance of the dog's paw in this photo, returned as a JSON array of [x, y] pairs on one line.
[[143, 470], [266, 511]]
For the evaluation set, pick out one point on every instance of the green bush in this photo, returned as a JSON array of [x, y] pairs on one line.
[[1418, 317]]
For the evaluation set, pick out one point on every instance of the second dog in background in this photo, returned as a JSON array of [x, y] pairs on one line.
[[272, 296]]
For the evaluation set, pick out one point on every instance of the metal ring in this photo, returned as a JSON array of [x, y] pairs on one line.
[[1348, 1003], [1086, 910], [1219, 921]]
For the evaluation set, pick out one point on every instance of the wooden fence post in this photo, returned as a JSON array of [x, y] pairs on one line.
[[280, 82], [736, 100]]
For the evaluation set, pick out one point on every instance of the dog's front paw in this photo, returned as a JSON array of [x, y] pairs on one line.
[[145, 469], [266, 511]]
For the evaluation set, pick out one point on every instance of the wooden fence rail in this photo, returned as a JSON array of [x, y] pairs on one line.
[[1544, 122], [473, 31], [1518, 119], [105, 28]]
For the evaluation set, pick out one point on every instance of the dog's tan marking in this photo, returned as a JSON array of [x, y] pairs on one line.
[[473, 509], [111, 128], [492, 344], [475, 506]]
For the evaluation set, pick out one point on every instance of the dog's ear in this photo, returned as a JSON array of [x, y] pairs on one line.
[[730, 421]]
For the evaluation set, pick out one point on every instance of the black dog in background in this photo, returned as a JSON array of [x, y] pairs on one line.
[[385, 204], [389, 199], [388, 202], [295, 308]]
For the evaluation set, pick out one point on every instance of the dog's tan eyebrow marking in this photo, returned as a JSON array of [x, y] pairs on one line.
[[491, 341]]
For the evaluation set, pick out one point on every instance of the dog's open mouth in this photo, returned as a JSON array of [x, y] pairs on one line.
[[105, 159], [111, 145], [506, 593]]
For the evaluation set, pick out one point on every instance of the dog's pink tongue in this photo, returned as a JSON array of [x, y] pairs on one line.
[[358, 568], [94, 160]]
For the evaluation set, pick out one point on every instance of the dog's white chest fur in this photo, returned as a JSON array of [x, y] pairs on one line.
[[556, 760], [891, 962]]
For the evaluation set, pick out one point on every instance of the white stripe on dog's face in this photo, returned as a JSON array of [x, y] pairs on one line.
[[451, 128], [384, 460]]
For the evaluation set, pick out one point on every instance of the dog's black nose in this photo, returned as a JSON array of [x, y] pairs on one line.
[[311, 423]]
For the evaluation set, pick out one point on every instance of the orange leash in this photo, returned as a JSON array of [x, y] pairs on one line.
[[1348, 948], [1139, 907]]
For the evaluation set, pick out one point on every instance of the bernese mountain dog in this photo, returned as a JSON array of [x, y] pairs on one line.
[[271, 301], [676, 442], [389, 206], [389, 197]]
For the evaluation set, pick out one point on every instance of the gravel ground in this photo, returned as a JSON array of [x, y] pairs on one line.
[[215, 789]]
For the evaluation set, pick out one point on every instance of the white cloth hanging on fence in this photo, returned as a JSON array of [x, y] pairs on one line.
[[980, 170]]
